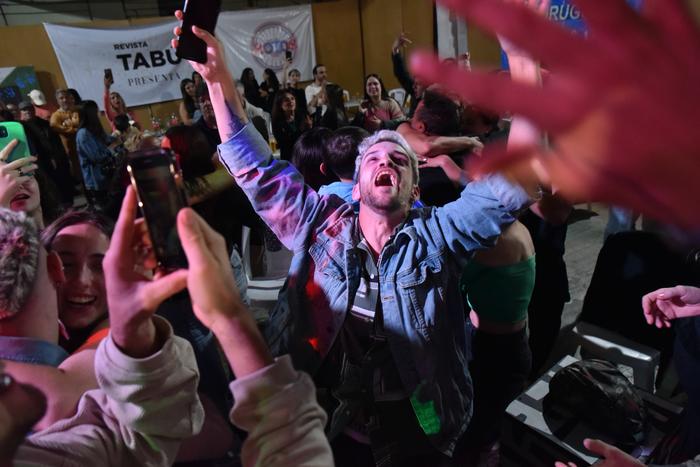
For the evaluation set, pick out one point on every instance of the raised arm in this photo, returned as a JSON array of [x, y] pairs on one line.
[[109, 113], [430, 146], [275, 188], [400, 71], [230, 115]]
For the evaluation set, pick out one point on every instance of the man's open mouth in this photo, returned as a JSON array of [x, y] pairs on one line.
[[385, 178]]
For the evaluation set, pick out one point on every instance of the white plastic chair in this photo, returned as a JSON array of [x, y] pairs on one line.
[[617, 349], [265, 288]]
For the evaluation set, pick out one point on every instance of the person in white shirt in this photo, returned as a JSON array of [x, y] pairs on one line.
[[316, 91]]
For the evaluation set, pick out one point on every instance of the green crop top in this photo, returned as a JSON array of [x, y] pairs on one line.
[[499, 294]]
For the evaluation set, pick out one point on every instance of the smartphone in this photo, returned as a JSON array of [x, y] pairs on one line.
[[108, 74], [288, 55], [203, 14], [10, 131], [154, 175]]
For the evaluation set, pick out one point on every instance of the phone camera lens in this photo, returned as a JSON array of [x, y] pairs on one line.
[[3, 132]]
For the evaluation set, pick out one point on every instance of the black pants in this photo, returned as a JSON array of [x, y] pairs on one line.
[[500, 368]]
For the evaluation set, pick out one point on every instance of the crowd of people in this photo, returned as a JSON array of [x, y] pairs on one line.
[[427, 279]]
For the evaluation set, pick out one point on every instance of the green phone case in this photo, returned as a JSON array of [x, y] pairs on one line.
[[10, 131]]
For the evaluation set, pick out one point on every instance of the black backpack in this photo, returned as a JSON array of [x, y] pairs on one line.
[[595, 392]]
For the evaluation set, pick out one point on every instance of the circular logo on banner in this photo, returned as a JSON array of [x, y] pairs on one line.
[[270, 42]]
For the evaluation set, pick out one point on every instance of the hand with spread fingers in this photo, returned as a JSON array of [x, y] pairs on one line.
[[618, 103], [13, 174], [611, 456], [663, 305]]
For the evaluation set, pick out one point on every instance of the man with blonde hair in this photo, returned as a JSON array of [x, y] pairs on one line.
[[372, 307]]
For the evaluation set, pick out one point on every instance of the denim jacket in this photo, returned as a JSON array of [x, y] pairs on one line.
[[420, 265], [28, 350]]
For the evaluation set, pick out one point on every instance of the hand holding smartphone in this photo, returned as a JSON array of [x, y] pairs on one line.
[[203, 14], [153, 176], [10, 131], [109, 78]]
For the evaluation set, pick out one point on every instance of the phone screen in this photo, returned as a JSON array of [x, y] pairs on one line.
[[288, 54], [10, 131], [203, 14], [160, 199]]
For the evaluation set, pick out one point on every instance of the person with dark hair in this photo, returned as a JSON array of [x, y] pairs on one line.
[[207, 121], [288, 122], [339, 159], [413, 87], [197, 80], [77, 100], [96, 152], [188, 107], [377, 107], [291, 82], [251, 87], [335, 115], [268, 88], [315, 92], [114, 105], [308, 155], [52, 157], [431, 134], [81, 239]]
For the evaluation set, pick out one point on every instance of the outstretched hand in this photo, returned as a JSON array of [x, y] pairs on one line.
[[663, 305], [611, 456], [399, 42], [617, 105], [214, 69]]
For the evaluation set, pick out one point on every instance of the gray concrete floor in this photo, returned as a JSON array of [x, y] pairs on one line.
[[583, 242]]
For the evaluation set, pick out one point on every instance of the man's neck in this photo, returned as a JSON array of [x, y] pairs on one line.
[[29, 323], [378, 227], [319, 83]]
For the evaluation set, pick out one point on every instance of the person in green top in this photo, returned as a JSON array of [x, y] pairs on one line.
[[497, 286]]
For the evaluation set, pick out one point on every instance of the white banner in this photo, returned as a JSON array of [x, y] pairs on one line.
[[259, 38], [146, 70]]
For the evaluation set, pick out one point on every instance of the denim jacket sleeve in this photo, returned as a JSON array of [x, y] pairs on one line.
[[90, 148], [476, 219], [275, 188]]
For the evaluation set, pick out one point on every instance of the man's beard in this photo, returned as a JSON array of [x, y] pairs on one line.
[[382, 203]]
